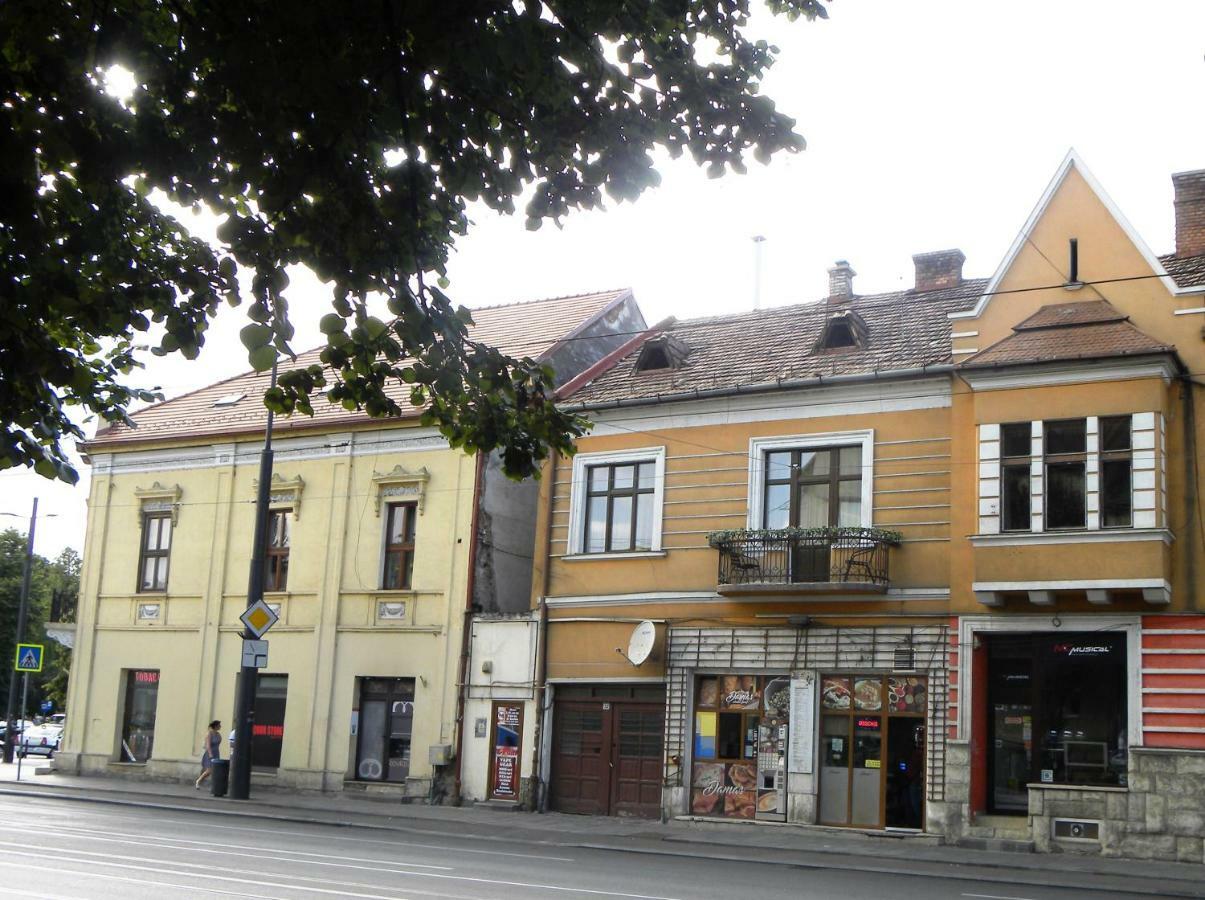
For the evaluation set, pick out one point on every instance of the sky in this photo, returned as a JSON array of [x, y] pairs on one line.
[[929, 126]]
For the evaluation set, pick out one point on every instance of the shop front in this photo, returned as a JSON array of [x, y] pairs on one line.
[[1056, 707], [807, 738]]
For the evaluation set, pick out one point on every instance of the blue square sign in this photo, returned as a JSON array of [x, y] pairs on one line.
[[29, 657]]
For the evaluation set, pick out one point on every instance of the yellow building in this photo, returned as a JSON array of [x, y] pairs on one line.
[[927, 560], [382, 542]]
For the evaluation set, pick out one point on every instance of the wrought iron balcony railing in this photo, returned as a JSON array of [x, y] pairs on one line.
[[847, 557]]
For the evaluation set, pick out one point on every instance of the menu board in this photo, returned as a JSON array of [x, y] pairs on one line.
[[803, 701], [504, 763]]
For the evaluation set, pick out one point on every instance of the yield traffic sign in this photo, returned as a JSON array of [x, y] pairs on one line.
[[29, 658], [259, 617]]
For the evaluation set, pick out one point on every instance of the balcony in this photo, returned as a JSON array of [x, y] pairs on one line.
[[804, 560], [61, 625]]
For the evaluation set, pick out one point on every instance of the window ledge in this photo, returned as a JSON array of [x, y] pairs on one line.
[[1045, 786], [640, 554], [1104, 535]]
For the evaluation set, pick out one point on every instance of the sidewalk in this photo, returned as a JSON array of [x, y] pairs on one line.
[[800, 846]]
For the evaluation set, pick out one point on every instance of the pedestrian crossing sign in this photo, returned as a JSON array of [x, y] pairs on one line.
[[29, 657]]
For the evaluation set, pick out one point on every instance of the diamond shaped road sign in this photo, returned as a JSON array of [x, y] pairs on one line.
[[259, 617]]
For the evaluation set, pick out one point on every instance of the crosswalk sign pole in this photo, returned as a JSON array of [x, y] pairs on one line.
[[24, 701], [22, 613]]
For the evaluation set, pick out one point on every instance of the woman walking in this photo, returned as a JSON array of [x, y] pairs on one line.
[[211, 749]]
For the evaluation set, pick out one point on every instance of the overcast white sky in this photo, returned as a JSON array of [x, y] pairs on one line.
[[929, 125]]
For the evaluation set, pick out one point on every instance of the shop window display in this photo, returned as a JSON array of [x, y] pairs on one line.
[[1057, 713], [740, 740]]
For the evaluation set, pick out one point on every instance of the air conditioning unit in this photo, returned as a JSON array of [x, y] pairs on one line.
[[903, 660], [1075, 830]]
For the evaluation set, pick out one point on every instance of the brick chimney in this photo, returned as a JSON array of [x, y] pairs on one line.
[[939, 269], [840, 281], [1190, 212]]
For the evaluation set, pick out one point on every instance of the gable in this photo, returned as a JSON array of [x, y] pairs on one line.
[[1114, 265]]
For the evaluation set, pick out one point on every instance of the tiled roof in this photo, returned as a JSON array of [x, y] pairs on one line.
[[1186, 271], [905, 330], [1090, 329], [518, 329]]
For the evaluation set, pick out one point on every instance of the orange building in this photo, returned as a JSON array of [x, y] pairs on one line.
[[928, 560]]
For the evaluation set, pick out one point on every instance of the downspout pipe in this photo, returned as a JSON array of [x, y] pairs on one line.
[[540, 798], [462, 677]]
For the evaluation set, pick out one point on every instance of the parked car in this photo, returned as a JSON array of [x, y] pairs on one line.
[[40, 740], [21, 725]]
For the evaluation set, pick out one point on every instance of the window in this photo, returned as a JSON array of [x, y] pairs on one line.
[[156, 548], [276, 563], [1070, 481], [619, 507], [838, 334], [1116, 472], [138, 715], [813, 488], [1066, 445], [1057, 713], [268, 732], [1015, 448], [615, 502], [399, 546]]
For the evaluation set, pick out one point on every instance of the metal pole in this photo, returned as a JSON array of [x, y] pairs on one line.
[[24, 703], [22, 614], [244, 715]]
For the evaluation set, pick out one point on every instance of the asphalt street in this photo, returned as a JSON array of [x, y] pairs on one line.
[[68, 849]]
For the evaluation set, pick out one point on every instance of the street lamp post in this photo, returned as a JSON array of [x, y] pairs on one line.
[[22, 615], [244, 714]]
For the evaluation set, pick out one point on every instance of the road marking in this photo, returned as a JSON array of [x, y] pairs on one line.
[[491, 881], [205, 875], [119, 837], [997, 897], [138, 881], [193, 823]]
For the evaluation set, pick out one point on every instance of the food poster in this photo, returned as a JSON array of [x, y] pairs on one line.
[[906, 694], [835, 692], [739, 692], [868, 694], [724, 789]]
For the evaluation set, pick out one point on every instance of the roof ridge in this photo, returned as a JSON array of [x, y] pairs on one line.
[[883, 298], [550, 299]]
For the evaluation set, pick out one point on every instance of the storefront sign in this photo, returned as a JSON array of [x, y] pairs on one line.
[[803, 702], [504, 764], [1081, 650]]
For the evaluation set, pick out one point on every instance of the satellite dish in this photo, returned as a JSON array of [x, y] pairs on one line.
[[641, 644]]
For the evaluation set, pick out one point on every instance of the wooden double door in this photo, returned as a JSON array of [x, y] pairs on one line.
[[607, 756]]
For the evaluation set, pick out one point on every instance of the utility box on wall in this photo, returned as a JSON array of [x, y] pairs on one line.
[[439, 754]]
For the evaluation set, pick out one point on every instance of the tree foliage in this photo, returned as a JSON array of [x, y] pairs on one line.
[[346, 137]]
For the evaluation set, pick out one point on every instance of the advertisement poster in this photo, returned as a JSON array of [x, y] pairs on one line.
[[803, 702], [504, 756]]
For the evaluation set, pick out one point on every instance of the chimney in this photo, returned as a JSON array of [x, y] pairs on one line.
[[1190, 212], [840, 281], [939, 269]]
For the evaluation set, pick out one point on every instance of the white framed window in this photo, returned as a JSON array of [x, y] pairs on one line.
[[616, 502], [763, 453], [1068, 475]]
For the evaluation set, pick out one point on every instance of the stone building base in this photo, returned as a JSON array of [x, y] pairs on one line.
[[1159, 814]]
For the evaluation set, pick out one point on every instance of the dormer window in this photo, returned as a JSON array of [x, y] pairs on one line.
[[842, 331], [663, 352]]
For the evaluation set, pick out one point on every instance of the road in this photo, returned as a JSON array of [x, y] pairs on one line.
[[71, 850]]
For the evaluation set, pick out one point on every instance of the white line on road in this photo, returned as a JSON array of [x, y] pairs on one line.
[[138, 881], [141, 840], [203, 875], [997, 897], [195, 823]]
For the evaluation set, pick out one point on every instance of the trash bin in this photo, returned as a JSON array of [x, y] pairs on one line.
[[220, 779]]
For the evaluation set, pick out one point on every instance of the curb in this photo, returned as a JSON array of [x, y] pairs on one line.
[[684, 847]]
